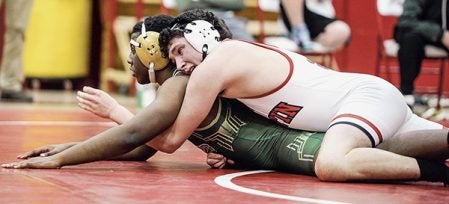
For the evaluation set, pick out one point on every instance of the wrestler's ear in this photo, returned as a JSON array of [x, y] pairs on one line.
[[149, 51]]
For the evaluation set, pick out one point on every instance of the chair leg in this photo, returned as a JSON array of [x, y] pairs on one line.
[[330, 59], [388, 69], [440, 82], [323, 60], [377, 68]]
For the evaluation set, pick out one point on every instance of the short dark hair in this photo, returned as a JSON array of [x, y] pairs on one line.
[[154, 23], [186, 17]]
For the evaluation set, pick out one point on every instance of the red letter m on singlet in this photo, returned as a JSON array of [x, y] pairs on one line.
[[284, 113]]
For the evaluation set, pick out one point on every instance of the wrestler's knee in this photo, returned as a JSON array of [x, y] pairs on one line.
[[329, 169], [335, 35], [334, 161]]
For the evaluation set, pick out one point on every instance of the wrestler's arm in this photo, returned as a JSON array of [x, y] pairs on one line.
[[203, 88], [141, 153], [103, 105], [120, 139]]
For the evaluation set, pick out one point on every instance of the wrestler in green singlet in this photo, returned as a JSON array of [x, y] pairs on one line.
[[255, 142]]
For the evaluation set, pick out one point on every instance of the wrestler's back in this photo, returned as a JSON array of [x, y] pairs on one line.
[[307, 96]]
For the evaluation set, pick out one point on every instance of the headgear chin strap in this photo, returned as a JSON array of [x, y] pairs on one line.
[[202, 36], [149, 52]]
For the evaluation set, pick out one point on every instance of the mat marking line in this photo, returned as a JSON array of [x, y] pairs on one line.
[[226, 182]]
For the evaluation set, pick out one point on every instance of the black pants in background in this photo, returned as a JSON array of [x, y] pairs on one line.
[[410, 56]]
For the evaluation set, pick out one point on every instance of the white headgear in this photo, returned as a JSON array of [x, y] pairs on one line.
[[202, 36]]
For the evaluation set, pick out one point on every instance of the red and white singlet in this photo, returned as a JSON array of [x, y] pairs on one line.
[[314, 98]]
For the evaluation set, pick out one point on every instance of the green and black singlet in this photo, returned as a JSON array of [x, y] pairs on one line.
[[255, 142]]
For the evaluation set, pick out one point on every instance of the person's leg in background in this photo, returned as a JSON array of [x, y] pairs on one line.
[[327, 33], [11, 71], [332, 33], [410, 56]]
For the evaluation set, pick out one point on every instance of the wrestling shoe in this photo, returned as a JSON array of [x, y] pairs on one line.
[[15, 96]]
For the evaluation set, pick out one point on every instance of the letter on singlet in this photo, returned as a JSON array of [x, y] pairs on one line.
[[284, 113]]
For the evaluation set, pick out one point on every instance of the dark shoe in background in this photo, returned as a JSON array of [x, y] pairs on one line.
[[15, 96]]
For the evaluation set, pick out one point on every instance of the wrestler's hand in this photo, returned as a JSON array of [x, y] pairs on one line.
[[97, 102], [34, 163], [218, 161], [47, 150]]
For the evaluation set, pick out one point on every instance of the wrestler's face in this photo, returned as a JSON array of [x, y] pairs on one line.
[[183, 55], [140, 72]]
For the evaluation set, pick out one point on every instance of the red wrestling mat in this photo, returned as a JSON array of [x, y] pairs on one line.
[[182, 177]]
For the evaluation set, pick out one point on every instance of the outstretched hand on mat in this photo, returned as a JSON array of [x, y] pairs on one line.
[[35, 163], [46, 151]]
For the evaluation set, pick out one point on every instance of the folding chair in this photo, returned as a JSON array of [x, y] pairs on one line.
[[272, 33], [388, 12]]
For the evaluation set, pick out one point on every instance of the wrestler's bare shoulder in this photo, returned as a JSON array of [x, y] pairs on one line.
[[175, 84], [234, 53], [230, 46]]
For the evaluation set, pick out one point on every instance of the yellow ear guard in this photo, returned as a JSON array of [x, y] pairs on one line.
[[148, 52]]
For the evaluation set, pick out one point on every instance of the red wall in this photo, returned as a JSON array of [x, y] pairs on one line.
[[360, 54]]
